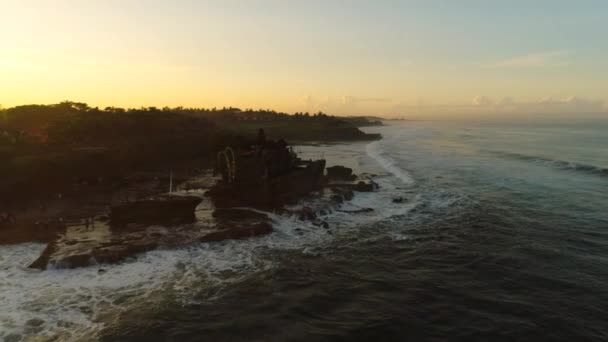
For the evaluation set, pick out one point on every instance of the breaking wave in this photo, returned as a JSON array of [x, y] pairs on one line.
[[375, 151], [76, 304], [555, 163]]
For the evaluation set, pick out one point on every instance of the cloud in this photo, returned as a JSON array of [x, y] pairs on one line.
[[346, 104], [507, 101], [570, 105], [307, 100], [575, 104], [482, 101], [350, 100], [534, 60]]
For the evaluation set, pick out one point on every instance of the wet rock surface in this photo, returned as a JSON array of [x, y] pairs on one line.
[[177, 220], [83, 246], [163, 209], [341, 173], [270, 193], [358, 211], [358, 184], [343, 193], [238, 214], [235, 231]]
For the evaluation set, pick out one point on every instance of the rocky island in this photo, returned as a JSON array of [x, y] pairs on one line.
[[251, 180], [92, 184]]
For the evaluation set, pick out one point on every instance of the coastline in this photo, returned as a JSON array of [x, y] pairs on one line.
[[46, 214], [67, 162]]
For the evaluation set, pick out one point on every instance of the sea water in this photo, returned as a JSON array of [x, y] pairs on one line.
[[501, 234]]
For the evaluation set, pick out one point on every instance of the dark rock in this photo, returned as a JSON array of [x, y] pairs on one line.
[[346, 193], [42, 261], [322, 224], [164, 209], [13, 338], [117, 253], [238, 214], [358, 211], [74, 261], [362, 186], [28, 231], [103, 218], [337, 198], [340, 172], [34, 322], [61, 255], [399, 200], [264, 175], [34, 326], [236, 231], [307, 214]]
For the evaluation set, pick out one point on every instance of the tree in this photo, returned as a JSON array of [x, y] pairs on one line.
[[73, 106]]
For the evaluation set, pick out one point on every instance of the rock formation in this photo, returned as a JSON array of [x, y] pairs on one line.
[[265, 176]]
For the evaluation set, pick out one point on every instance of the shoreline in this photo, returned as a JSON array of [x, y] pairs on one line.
[[48, 212]]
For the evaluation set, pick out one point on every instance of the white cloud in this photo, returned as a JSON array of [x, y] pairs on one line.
[[507, 101], [574, 104], [350, 100], [307, 100], [346, 104], [570, 104], [534, 60], [482, 101]]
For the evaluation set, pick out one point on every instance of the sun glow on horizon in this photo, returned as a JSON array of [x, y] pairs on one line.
[[410, 58]]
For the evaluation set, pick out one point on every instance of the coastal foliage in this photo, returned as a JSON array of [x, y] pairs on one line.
[[48, 146]]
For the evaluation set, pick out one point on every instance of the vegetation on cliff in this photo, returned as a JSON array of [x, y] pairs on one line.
[[45, 147]]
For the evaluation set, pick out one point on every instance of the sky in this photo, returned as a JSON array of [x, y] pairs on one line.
[[391, 58]]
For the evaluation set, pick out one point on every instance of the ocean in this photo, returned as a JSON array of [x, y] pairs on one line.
[[501, 235]]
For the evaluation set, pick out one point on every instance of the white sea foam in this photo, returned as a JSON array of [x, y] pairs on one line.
[[75, 304], [375, 151]]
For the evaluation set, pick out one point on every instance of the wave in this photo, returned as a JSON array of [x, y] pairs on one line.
[[556, 163], [375, 151], [76, 304]]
